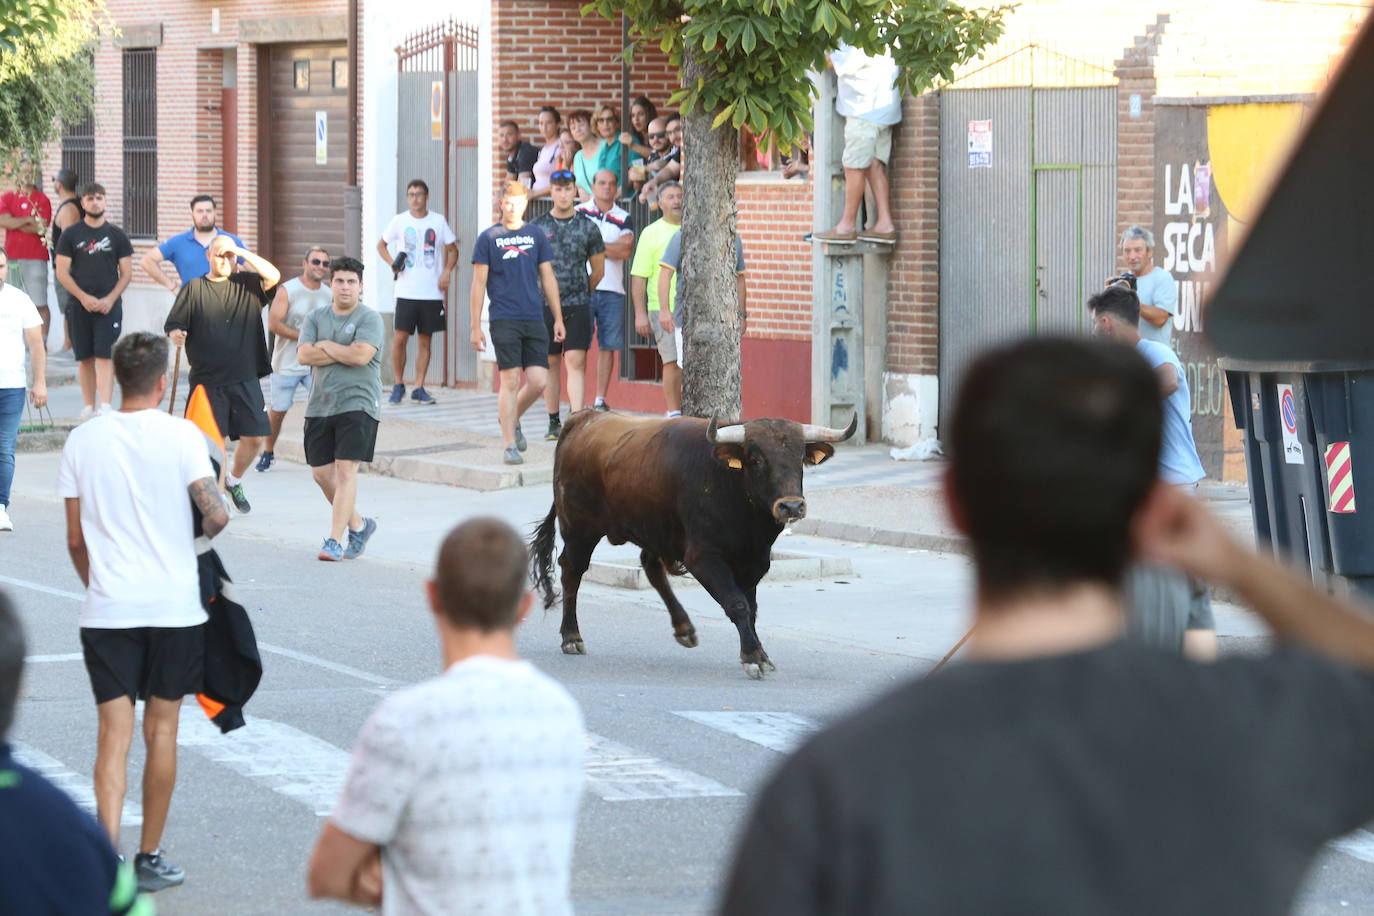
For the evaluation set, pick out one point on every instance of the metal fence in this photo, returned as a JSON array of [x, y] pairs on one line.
[[78, 148], [140, 142]]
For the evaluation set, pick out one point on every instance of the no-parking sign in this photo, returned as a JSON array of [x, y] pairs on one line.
[[1288, 419]]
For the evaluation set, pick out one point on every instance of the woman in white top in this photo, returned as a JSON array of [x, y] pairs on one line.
[[550, 125], [584, 163]]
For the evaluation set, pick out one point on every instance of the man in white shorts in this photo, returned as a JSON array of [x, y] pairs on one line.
[[295, 299], [463, 791], [126, 476]]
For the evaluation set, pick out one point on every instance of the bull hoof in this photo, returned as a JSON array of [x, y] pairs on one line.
[[687, 640], [574, 647], [754, 670]]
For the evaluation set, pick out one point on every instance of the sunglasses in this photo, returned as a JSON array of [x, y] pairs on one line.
[[605, 120], [318, 262], [562, 175], [658, 136]]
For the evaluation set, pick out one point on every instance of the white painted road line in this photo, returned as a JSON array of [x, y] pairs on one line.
[[779, 731], [78, 787], [325, 663], [36, 587], [39, 659], [617, 773], [1359, 845], [284, 759]]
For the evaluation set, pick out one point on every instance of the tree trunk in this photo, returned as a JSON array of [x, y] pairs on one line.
[[707, 283]]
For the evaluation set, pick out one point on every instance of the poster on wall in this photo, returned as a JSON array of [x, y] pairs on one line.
[[1190, 239], [980, 144]]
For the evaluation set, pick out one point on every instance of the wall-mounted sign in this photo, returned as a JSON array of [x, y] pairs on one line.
[[321, 137]]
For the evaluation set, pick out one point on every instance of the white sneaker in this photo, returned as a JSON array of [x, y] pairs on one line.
[[86, 413], [5, 523], [104, 409]]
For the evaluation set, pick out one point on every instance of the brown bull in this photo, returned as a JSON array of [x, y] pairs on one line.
[[694, 498]]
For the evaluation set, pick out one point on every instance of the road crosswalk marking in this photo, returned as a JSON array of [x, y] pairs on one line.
[[778, 731], [617, 773], [79, 788]]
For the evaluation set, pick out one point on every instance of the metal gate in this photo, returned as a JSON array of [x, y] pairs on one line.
[[436, 115], [1027, 215]]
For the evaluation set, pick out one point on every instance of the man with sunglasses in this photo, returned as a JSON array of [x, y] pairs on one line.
[[295, 299], [218, 318]]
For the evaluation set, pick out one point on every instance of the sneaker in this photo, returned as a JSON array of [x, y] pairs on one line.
[[357, 540], [601, 406], [240, 501], [421, 396], [331, 550], [104, 409], [5, 523], [555, 430], [512, 455], [397, 393], [872, 235], [835, 238], [86, 413], [265, 461], [155, 872], [520, 442]]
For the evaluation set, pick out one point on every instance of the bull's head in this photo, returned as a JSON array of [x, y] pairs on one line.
[[770, 454]]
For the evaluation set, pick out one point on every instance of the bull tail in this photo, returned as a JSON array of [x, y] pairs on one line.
[[541, 557]]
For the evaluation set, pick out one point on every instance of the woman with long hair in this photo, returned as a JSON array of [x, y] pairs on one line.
[[550, 126]]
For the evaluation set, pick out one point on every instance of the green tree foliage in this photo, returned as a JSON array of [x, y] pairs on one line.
[[760, 52], [46, 75]]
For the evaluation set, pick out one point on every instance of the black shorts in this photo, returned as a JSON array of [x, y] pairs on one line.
[[139, 662], [577, 329], [425, 316], [239, 409], [520, 344], [349, 436], [93, 335]]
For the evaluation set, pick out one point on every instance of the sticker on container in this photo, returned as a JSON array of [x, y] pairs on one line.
[[980, 144], [1340, 479], [1288, 414]]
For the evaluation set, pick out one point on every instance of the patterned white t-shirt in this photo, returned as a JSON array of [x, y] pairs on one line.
[[470, 782]]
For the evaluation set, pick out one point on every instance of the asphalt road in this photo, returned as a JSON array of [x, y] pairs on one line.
[[681, 739]]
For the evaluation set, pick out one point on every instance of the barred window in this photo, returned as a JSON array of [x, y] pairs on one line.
[[140, 142], [78, 148]]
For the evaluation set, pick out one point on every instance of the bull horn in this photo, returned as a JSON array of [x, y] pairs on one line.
[[829, 434], [731, 433]]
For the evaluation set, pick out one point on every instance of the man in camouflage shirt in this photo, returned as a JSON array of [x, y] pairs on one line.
[[579, 260]]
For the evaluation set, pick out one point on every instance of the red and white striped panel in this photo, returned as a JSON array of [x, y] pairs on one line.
[[1340, 482]]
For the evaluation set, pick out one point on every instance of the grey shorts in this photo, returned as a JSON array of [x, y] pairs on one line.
[[1161, 604], [666, 340], [33, 279]]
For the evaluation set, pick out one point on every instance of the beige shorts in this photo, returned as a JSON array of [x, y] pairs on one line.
[[667, 341], [865, 141]]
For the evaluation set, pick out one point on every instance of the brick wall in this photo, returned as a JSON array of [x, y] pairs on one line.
[[913, 280], [773, 217], [190, 134], [1135, 136]]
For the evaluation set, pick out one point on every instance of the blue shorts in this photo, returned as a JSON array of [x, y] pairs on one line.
[[608, 311], [283, 388]]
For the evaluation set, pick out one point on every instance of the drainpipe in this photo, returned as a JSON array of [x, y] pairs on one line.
[[353, 197]]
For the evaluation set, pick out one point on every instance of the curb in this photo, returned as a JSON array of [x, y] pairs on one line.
[[44, 440], [786, 567], [471, 477], [886, 537]]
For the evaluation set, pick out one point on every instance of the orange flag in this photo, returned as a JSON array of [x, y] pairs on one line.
[[198, 412]]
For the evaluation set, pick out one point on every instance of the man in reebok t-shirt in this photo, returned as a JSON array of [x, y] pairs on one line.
[[510, 264], [421, 283]]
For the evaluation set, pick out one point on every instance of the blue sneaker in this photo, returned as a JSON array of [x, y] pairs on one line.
[[520, 442], [398, 392], [421, 396], [357, 540], [331, 550]]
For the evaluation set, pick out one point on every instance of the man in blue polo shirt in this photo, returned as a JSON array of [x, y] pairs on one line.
[[57, 859], [188, 251]]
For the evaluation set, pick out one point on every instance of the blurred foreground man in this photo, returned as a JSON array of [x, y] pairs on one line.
[[462, 794], [1060, 769]]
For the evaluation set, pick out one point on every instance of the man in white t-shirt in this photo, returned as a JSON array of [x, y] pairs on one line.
[[608, 299], [422, 280], [295, 299], [125, 477], [20, 325], [1154, 285], [463, 791]]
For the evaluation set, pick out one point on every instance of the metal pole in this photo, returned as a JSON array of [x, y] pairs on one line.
[[624, 97], [353, 196]]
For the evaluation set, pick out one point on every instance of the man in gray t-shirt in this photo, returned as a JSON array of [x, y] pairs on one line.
[[669, 265], [342, 343]]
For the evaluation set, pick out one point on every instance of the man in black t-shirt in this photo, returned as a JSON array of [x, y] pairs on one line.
[[1061, 769], [520, 155], [218, 318], [95, 262]]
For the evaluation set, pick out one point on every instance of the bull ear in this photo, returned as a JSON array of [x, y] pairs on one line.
[[818, 452], [730, 454]]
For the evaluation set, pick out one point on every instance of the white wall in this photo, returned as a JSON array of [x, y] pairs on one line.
[[383, 30]]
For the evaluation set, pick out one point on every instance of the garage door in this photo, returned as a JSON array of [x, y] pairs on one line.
[[308, 87]]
